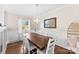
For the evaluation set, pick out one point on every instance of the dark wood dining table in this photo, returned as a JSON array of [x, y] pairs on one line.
[[38, 40]]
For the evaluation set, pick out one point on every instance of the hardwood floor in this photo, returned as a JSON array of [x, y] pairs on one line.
[[16, 47], [61, 50]]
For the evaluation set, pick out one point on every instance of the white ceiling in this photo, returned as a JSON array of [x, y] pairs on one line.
[[29, 9]]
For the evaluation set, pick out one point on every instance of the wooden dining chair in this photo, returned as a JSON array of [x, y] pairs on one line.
[[50, 46]]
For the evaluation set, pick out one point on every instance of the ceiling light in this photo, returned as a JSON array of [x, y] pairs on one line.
[[36, 4]]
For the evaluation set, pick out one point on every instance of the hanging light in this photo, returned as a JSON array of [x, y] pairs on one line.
[[37, 4]]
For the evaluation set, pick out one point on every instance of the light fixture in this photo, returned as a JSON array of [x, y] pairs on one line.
[[36, 4], [36, 20]]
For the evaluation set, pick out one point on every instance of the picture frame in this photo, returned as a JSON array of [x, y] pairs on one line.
[[50, 23]]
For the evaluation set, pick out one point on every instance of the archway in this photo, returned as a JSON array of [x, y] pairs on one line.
[[73, 36]]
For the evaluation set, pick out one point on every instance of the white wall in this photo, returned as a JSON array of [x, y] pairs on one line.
[[2, 16], [11, 21], [1, 21], [65, 16]]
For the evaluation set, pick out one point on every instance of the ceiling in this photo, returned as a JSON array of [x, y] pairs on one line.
[[31, 10]]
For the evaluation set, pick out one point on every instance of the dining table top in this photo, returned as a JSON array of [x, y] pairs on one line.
[[39, 40]]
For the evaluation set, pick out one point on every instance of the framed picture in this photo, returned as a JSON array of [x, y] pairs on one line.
[[50, 23]]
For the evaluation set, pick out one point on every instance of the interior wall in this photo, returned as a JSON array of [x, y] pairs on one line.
[[2, 16], [11, 21], [65, 16]]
